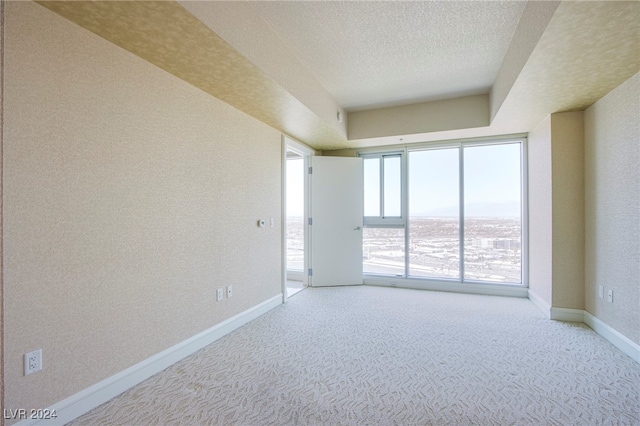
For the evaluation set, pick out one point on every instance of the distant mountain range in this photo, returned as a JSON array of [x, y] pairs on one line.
[[508, 209]]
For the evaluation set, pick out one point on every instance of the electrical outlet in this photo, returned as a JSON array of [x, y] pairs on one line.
[[219, 294], [32, 362], [610, 295], [229, 291], [601, 291]]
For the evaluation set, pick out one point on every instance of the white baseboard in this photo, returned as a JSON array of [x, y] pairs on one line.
[[448, 286], [567, 314], [541, 304], [621, 342], [91, 397], [578, 315]]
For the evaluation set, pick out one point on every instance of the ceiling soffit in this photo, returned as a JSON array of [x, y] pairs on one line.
[[587, 50], [563, 58], [243, 28], [166, 35], [388, 53]]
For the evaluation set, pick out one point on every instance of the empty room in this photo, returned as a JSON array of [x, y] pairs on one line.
[[320, 212]]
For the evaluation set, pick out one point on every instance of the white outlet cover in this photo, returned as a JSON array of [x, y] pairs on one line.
[[32, 362], [219, 294], [601, 291], [229, 291]]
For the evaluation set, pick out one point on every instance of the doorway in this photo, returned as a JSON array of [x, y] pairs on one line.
[[296, 212]]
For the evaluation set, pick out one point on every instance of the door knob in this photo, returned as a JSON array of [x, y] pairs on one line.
[[357, 229]]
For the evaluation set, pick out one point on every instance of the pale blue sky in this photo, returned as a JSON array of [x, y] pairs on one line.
[[491, 176], [492, 180]]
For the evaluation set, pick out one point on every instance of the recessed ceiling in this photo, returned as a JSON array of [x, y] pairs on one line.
[[406, 68], [378, 54]]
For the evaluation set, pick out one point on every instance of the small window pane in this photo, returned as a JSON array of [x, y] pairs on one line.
[[372, 187], [392, 187]]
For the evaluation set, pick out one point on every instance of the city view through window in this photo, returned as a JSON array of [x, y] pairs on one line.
[[428, 244], [295, 213], [491, 226]]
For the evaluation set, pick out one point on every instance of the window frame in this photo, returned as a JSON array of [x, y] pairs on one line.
[[381, 220], [403, 222]]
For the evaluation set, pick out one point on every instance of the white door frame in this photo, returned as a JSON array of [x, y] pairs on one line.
[[289, 144]]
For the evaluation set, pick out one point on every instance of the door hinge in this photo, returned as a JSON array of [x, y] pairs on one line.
[[310, 170], [310, 272], [310, 221]]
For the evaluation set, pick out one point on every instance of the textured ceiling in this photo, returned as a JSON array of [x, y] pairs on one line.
[[375, 54], [286, 62]]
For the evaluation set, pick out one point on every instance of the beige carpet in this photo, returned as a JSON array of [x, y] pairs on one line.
[[382, 356]]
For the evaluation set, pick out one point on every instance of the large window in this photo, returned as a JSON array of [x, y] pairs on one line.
[[463, 204]]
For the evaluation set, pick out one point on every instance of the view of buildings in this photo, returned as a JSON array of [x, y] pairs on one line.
[[492, 249]]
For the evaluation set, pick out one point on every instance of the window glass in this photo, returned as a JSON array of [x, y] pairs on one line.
[[434, 213], [372, 186], [492, 217], [295, 213], [392, 186], [383, 251]]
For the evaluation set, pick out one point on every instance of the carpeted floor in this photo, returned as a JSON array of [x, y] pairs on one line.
[[383, 356]]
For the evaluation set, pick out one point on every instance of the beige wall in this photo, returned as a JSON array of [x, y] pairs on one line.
[[130, 196], [567, 153], [588, 159], [341, 153], [612, 208], [540, 211], [460, 113], [264, 48], [556, 217]]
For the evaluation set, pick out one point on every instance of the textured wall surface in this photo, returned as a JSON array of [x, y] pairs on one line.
[[240, 25], [567, 153], [450, 114], [533, 21], [167, 35], [612, 207], [130, 196], [540, 211]]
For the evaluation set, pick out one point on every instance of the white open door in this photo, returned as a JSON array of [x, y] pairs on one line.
[[336, 227]]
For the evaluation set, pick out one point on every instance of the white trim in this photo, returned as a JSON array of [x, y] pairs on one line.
[[295, 275], [613, 336], [283, 218], [541, 304], [621, 342], [449, 286], [306, 152], [298, 147], [93, 396], [567, 314]]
